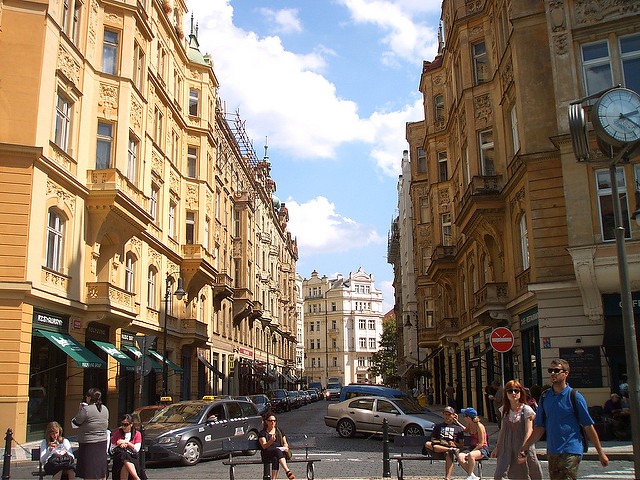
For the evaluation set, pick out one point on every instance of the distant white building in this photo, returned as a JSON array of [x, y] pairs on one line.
[[342, 327]]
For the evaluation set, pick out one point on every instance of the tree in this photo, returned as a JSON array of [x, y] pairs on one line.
[[383, 362]]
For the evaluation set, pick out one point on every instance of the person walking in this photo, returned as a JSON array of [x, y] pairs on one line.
[[274, 446], [447, 438], [478, 441], [125, 446], [92, 421], [556, 416], [450, 395], [56, 455], [517, 427]]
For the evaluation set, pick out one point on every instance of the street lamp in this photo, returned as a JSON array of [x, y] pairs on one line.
[[179, 293]]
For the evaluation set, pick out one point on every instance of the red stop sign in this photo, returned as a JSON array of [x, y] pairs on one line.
[[501, 339]]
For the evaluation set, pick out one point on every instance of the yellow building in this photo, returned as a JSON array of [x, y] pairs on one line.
[[509, 229], [122, 181]]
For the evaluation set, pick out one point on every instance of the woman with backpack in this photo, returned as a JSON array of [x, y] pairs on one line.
[[516, 428]]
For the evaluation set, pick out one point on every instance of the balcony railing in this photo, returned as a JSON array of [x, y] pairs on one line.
[[447, 326], [491, 295], [111, 298]]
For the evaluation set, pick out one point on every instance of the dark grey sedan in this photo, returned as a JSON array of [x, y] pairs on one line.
[[190, 430]]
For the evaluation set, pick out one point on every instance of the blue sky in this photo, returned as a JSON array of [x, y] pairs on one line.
[[331, 84]]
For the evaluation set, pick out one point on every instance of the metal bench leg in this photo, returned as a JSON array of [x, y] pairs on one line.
[[479, 468], [232, 473], [310, 471], [266, 471]]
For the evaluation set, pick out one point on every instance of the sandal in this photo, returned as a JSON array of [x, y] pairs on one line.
[[290, 475]]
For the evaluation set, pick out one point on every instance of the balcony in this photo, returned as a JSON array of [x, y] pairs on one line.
[[447, 326], [197, 268], [481, 201], [193, 329], [442, 263], [115, 303], [114, 205], [490, 304], [428, 338], [242, 304], [222, 288]]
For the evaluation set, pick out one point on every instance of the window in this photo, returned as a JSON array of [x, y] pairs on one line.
[[207, 223], [372, 343], [138, 66], [361, 362], [129, 272], [334, 307], [334, 343], [524, 242], [362, 342], [151, 288], [335, 361], [480, 65], [192, 162], [371, 324], [318, 344], [313, 363], [362, 324], [447, 240], [153, 204], [318, 325], [596, 67], [424, 209], [157, 126], [438, 108], [175, 146], [443, 173], [110, 52], [177, 87], [466, 173], [487, 153], [630, 56], [193, 101], [334, 325], [605, 203], [190, 228], [104, 145], [422, 161], [55, 236], [64, 108], [514, 130], [428, 320], [236, 223], [70, 18], [132, 159], [162, 62], [311, 327], [172, 220]]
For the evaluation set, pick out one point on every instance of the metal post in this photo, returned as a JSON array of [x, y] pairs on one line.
[[386, 464], [266, 378], [6, 465], [628, 323], [165, 368]]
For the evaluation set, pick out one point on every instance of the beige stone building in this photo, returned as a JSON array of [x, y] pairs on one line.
[[342, 327], [122, 180], [509, 229]]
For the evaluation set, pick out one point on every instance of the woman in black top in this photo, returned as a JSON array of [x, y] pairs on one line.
[[274, 445]]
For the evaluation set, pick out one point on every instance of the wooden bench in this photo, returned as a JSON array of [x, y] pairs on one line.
[[410, 448], [239, 444]]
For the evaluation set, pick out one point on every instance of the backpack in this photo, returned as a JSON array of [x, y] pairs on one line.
[[572, 398]]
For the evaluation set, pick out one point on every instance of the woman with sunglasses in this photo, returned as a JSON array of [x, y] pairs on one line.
[[125, 445], [517, 427], [274, 445]]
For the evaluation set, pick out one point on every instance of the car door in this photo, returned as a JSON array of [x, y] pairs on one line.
[[216, 427], [360, 411], [386, 410]]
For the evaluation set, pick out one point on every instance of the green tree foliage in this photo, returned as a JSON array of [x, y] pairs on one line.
[[383, 362]]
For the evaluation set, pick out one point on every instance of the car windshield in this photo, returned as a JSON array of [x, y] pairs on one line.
[[179, 413], [408, 405]]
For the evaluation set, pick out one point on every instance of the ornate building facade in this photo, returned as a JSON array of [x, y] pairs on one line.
[[131, 207], [509, 229]]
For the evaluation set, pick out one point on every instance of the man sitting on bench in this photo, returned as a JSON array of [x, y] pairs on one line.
[[447, 438]]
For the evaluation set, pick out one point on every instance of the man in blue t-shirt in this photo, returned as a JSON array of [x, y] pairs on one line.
[[564, 440], [447, 438]]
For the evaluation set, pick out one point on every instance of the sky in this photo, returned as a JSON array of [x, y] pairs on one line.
[[329, 85]]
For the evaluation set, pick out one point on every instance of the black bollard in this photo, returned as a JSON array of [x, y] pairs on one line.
[[142, 457], [6, 465], [386, 464]]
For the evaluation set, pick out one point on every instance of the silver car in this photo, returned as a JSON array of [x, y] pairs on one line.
[[190, 430], [366, 414]]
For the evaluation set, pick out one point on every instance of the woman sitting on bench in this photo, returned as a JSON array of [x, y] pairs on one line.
[[55, 453], [274, 447], [125, 445]]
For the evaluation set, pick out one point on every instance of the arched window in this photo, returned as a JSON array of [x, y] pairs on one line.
[[151, 288], [55, 240], [524, 242], [129, 272]]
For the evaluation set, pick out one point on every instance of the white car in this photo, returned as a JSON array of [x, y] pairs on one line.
[[366, 414]]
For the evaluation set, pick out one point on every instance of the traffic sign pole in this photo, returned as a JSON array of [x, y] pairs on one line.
[[501, 340]]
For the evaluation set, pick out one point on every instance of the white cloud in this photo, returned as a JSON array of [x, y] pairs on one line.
[[286, 20], [388, 295], [320, 229]]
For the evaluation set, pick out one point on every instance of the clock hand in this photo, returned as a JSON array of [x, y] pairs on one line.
[[627, 116]]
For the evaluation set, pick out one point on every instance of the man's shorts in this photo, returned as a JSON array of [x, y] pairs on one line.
[[564, 466]]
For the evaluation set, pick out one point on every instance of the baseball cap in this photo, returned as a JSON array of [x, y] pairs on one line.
[[470, 412], [449, 410]]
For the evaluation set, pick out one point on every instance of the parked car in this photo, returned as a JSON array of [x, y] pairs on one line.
[[262, 402], [313, 395], [279, 400], [360, 390], [190, 430], [142, 415], [296, 400], [366, 414]]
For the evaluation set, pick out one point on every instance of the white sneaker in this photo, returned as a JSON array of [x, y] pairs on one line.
[[473, 476]]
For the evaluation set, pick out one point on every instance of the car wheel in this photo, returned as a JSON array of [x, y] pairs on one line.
[[191, 453], [413, 430], [252, 435], [346, 428]]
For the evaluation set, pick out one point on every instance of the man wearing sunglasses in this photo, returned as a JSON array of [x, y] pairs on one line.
[[564, 439]]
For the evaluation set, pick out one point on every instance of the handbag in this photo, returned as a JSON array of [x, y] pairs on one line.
[[63, 460]]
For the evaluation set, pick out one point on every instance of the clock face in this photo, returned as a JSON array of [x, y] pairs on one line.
[[616, 116]]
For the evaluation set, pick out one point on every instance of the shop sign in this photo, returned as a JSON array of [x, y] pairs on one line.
[[612, 303], [245, 352], [98, 331], [49, 321], [127, 338], [529, 318]]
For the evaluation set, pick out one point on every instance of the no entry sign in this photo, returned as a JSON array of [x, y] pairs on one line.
[[501, 339]]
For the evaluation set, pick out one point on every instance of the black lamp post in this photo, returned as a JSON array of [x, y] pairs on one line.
[[179, 293]]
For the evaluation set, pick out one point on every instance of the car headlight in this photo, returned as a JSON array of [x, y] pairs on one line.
[[170, 439]]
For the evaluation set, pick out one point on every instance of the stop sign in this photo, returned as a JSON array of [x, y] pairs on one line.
[[501, 339]]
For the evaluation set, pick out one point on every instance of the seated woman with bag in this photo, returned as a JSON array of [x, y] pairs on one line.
[[55, 453], [125, 445]]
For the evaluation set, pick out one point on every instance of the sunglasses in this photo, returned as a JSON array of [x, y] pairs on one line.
[[448, 413], [125, 424], [271, 419], [514, 391], [555, 370]]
